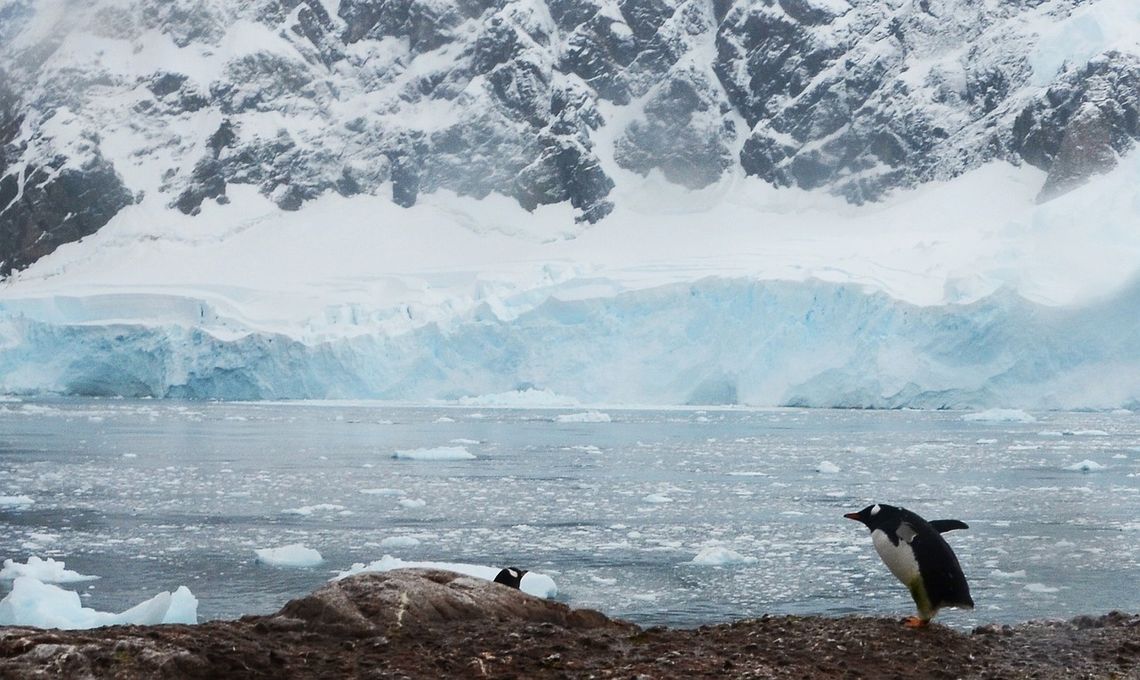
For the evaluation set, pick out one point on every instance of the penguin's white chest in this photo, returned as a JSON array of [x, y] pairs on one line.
[[898, 558]]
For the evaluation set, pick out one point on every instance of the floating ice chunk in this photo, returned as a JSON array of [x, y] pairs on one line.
[[399, 542], [381, 491], [1086, 466], [413, 502], [42, 605], [464, 441], [1040, 588], [292, 555], [438, 453], [602, 580], [587, 417], [444, 419], [307, 510], [718, 556], [986, 441], [45, 571], [15, 501], [1090, 433], [533, 582], [528, 398], [827, 468], [1000, 415], [657, 498], [1050, 433], [998, 573]]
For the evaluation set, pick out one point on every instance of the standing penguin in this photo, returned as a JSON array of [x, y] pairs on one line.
[[915, 552]]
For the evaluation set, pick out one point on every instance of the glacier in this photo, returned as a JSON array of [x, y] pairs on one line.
[[714, 341], [960, 294]]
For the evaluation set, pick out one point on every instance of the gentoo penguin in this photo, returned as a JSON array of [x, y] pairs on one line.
[[511, 576], [917, 555]]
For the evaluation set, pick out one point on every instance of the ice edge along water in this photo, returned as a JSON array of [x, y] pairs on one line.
[[959, 294]]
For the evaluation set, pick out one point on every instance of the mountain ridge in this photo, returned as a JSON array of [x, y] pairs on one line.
[[103, 105]]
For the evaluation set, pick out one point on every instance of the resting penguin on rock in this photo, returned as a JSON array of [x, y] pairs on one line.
[[915, 552], [511, 576]]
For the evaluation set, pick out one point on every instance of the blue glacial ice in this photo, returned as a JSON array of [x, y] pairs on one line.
[[715, 341]]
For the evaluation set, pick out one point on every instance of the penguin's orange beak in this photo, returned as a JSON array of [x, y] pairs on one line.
[[854, 515]]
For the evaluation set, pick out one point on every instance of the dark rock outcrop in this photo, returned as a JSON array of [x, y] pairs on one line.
[[1077, 128], [43, 207], [419, 599]]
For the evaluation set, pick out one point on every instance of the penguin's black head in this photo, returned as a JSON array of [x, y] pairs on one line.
[[875, 515], [511, 576]]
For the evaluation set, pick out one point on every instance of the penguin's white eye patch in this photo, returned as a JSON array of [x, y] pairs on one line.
[[875, 509]]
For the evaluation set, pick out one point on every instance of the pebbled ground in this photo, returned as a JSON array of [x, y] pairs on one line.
[[430, 624]]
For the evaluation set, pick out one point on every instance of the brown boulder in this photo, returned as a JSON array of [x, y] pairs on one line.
[[420, 598]]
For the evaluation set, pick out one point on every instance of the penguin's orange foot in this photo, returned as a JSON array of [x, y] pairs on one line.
[[916, 622]]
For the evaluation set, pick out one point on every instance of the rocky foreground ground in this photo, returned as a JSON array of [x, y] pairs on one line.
[[433, 624]]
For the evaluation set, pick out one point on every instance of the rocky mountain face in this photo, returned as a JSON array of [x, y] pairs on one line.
[[107, 104]]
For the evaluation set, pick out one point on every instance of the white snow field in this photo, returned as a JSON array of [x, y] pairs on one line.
[[964, 293], [614, 511]]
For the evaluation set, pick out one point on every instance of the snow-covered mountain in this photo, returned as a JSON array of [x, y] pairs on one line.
[[429, 199], [104, 103]]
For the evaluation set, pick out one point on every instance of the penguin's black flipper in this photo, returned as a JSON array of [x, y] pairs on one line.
[[944, 525]]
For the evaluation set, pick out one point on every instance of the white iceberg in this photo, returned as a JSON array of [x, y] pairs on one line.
[[586, 417], [42, 605], [1000, 415], [399, 542], [718, 556], [1086, 466], [437, 453], [45, 571], [292, 555]]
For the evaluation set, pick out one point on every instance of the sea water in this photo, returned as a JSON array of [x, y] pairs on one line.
[[614, 504]]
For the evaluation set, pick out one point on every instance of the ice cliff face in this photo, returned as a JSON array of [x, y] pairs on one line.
[[717, 341], [108, 103]]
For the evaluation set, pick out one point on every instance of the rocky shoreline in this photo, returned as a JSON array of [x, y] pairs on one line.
[[432, 624]]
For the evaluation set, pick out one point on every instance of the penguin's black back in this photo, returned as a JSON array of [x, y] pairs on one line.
[[942, 576], [511, 576]]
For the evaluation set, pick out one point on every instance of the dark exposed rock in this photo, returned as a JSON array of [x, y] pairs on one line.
[[1086, 149], [1076, 128], [48, 206], [166, 83], [315, 25], [684, 134], [426, 25]]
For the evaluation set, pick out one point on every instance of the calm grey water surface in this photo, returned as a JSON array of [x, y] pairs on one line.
[[150, 495]]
